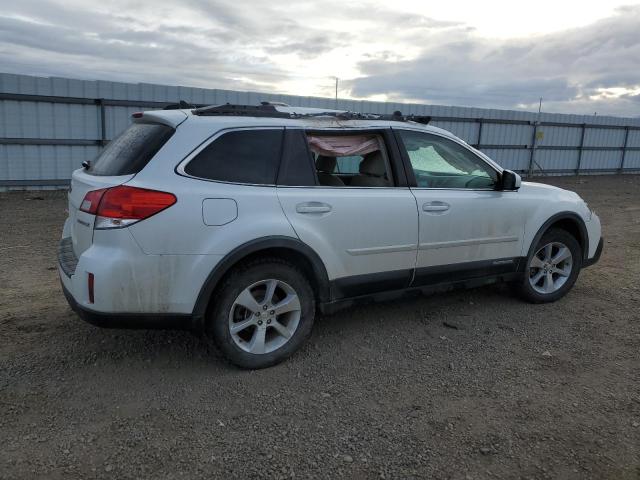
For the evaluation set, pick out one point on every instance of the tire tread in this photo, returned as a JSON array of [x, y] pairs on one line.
[[217, 319], [524, 289]]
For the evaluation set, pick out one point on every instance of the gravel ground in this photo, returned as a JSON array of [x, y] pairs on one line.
[[469, 384]]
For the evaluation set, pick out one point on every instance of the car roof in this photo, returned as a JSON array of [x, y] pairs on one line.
[[227, 116], [287, 116]]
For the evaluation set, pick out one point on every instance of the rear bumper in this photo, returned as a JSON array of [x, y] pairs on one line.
[[145, 321], [128, 282], [131, 289], [596, 257]]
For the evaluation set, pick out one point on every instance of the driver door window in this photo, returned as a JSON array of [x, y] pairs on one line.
[[438, 162]]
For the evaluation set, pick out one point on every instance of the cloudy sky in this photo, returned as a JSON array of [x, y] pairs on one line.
[[580, 56]]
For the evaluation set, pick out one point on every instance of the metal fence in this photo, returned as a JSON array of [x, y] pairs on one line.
[[48, 126]]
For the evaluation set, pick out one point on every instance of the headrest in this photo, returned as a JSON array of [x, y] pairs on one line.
[[325, 164], [373, 164]]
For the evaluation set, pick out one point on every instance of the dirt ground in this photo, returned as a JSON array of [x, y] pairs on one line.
[[382, 391]]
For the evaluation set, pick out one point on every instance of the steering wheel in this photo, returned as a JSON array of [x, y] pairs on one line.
[[468, 183]]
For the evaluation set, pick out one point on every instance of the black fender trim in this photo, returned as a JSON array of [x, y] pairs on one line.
[[584, 241], [242, 251], [596, 257]]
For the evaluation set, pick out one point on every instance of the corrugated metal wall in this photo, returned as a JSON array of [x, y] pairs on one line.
[[42, 140]]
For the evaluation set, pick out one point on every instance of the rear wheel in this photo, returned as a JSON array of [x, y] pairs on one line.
[[262, 313], [552, 267]]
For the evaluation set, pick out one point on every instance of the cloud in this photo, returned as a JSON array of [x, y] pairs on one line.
[[109, 45], [298, 47], [567, 69]]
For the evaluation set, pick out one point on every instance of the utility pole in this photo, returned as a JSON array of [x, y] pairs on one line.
[[534, 140], [336, 92]]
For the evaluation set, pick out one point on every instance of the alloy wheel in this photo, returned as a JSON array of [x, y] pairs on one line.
[[264, 316], [550, 268]]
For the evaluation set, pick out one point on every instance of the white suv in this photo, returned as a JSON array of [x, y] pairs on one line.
[[241, 221]]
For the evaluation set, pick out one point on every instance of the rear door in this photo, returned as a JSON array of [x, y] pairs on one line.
[[468, 228], [366, 235]]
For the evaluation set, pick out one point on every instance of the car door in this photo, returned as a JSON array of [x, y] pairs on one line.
[[468, 227], [366, 236]]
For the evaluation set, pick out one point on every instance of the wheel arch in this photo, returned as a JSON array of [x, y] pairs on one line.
[[570, 222], [289, 248]]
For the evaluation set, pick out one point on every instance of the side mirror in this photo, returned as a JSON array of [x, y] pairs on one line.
[[510, 180]]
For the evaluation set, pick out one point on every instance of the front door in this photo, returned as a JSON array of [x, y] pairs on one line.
[[467, 227]]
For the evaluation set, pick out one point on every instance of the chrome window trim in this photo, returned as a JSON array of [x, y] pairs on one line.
[[179, 169], [346, 187], [208, 141]]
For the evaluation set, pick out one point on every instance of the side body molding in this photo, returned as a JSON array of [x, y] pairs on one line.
[[242, 251]]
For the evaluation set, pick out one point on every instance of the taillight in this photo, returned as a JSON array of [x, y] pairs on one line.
[[122, 206], [91, 201]]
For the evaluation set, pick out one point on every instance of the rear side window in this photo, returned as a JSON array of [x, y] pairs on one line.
[[132, 150], [242, 156]]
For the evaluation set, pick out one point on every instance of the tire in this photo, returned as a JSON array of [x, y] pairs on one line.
[[262, 336], [551, 285]]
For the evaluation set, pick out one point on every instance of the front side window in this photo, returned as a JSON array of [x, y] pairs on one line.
[[438, 162], [358, 160], [241, 156]]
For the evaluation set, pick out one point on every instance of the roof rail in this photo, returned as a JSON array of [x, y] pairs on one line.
[[229, 109], [276, 104], [266, 109], [181, 105]]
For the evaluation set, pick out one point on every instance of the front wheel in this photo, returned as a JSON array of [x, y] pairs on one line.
[[263, 313], [552, 267]]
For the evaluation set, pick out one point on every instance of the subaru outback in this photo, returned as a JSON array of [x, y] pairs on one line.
[[242, 222]]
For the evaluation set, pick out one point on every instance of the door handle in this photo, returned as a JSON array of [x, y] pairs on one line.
[[313, 207], [435, 206]]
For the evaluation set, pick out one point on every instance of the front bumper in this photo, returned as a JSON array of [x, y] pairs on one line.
[[596, 257]]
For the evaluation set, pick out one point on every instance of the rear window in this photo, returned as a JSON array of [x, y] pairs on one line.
[[242, 156], [132, 150]]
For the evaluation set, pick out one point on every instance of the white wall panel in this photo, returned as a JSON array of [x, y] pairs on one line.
[[510, 159], [632, 160], [603, 137], [468, 131], [556, 159], [503, 134], [634, 138], [64, 121], [601, 159], [554, 136]]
